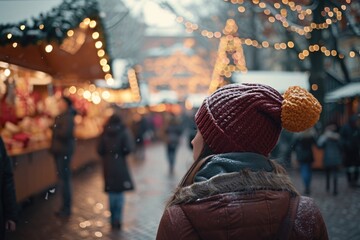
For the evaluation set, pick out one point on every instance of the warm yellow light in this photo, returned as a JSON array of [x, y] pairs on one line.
[[204, 32], [110, 81], [80, 91], [101, 53], [106, 68], [352, 54], [283, 45], [87, 21], [98, 44], [314, 87], [83, 25], [7, 72], [48, 48], [95, 98], [306, 53], [92, 87], [41, 26], [217, 34], [72, 90], [87, 94], [262, 5], [105, 95], [277, 5], [70, 33], [241, 9], [265, 44], [267, 11], [327, 53], [271, 19], [108, 76], [92, 24], [333, 53], [290, 44], [103, 61], [9, 36], [343, 7], [95, 35], [22, 27]]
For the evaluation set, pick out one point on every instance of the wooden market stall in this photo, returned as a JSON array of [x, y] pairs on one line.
[[61, 52]]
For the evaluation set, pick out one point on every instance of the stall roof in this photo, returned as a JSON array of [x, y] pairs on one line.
[[281, 81], [347, 91], [73, 58]]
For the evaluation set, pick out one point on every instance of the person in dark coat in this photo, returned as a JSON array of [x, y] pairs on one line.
[[114, 145], [62, 148], [330, 142], [8, 208], [350, 142], [302, 144], [233, 190], [173, 133]]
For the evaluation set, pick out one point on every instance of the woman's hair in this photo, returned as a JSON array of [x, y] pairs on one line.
[[205, 152]]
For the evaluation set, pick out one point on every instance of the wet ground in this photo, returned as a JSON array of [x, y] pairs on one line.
[[144, 206]]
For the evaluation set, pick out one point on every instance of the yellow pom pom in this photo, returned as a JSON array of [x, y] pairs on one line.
[[300, 109]]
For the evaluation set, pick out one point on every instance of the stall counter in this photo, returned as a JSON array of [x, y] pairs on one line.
[[35, 171]]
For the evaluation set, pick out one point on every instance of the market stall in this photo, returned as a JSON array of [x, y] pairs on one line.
[[59, 53]]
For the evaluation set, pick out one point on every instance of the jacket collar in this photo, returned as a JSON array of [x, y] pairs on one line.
[[240, 176], [233, 162]]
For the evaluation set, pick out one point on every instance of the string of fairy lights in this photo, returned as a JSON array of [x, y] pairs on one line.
[[332, 15], [191, 27]]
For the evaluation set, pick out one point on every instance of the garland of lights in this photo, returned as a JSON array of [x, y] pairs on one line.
[[58, 25], [53, 26], [190, 27], [301, 30]]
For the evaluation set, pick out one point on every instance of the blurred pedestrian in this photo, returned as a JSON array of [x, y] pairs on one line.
[[114, 145], [303, 144], [8, 208], [173, 133], [233, 190], [350, 142], [140, 128], [62, 147], [330, 142]]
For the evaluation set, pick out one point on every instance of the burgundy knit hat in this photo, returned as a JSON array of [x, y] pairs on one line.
[[243, 118]]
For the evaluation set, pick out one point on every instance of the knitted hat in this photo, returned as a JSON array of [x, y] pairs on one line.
[[249, 117]]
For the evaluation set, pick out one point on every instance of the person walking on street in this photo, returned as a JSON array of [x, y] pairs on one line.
[[303, 144], [330, 142], [350, 143], [62, 148], [114, 145], [173, 134], [8, 208], [233, 190]]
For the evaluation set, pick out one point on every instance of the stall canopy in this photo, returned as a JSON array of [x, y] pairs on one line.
[[67, 42], [347, 91]]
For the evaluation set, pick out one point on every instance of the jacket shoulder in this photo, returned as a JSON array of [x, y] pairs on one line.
[[309, 223], [175, 225]]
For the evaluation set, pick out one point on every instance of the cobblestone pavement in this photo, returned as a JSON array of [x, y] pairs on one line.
[[144, 206]]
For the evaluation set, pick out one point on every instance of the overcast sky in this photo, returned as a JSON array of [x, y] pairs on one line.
[[14, 11]]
